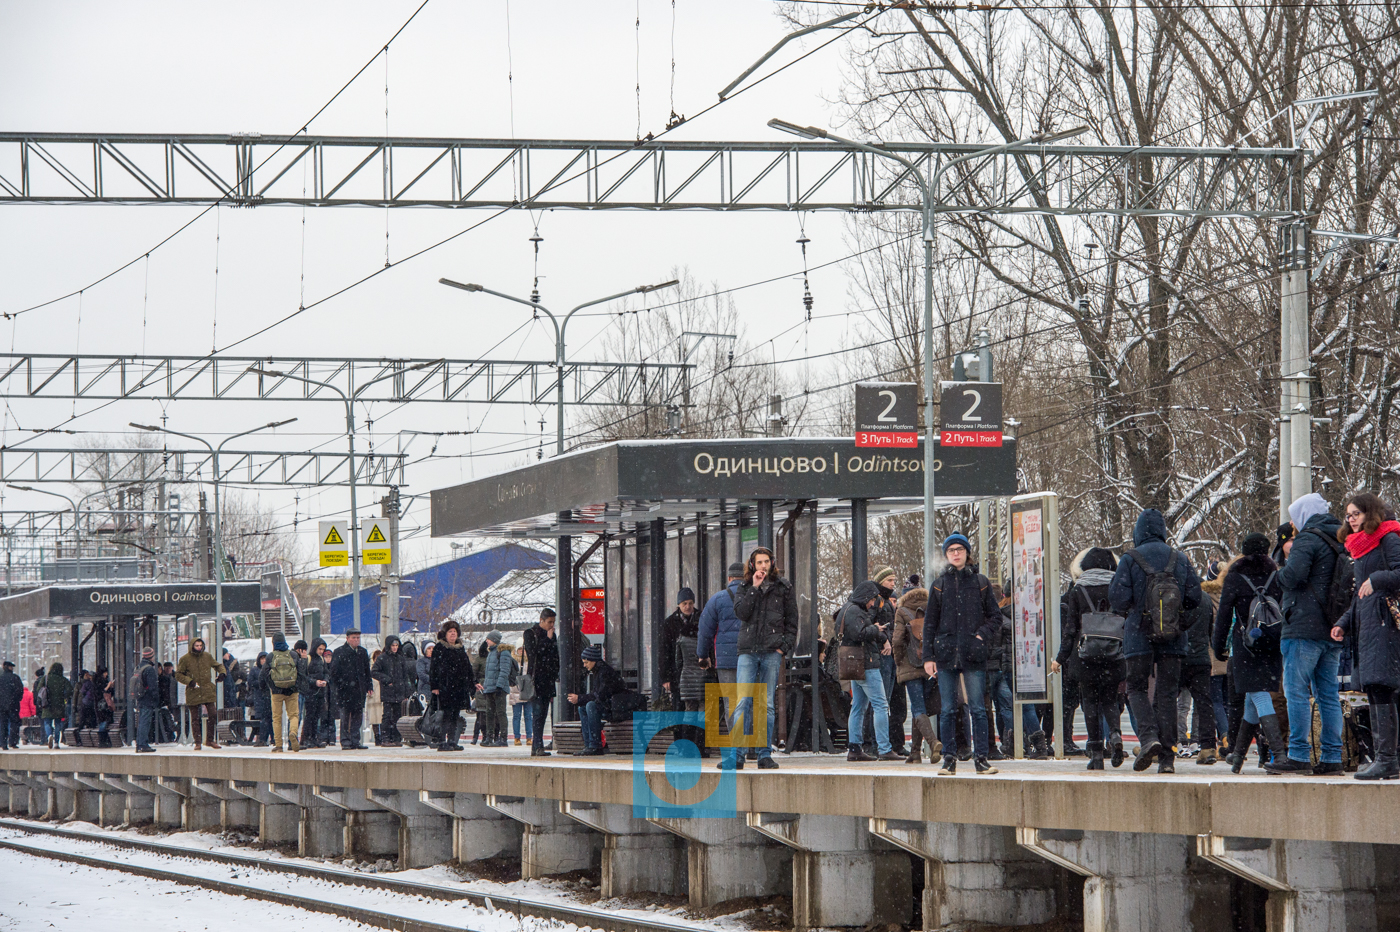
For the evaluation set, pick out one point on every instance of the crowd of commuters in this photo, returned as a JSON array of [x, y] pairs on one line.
[[1256, 648]]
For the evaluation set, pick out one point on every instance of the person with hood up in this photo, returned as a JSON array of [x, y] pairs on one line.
[[350, 672], [1146, 650], [495, 687], [1372, 538], [147, 682], [57, 693], [235, 682], [11, 696], [198, 671], [1255, 662], [281, 672], [451, 682], [311, 690], [907, 645], [1097, 663], [961, 621], [1310, 656], [259, 699], [421, 665], [767, 605], [542, 656], [717, 642], [856, 627], [85, 709], [394, 672]]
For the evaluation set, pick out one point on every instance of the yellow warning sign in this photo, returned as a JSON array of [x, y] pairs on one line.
[[381, 555], [334, 549]]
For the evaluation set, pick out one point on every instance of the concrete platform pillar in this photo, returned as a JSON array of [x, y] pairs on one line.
[[111, 806], [138, 806], [75, 801], [371, 831], [425, 833], [199, 812], [236, 811], [1314, 886], [638, 856], [478, 831], [167, 803], [550, 842], [975, 874], [1136, 880], [6, 792], [321, 825], [727, 860], [841, 874], [277, 818]]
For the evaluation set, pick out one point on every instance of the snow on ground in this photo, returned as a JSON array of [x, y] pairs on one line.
[[480, 920]]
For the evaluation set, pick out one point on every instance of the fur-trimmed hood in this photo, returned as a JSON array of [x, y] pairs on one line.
[[913, 600]]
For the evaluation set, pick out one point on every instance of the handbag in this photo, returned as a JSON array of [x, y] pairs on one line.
[[527, 687], [850, 661], [433, 723]]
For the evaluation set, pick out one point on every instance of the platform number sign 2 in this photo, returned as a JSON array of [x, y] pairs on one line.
[[970, 414], [887, 414]]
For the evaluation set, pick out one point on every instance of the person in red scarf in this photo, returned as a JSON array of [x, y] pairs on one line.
[[1372, 537]]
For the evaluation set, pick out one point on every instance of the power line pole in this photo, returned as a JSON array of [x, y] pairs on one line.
[[1295, 407]]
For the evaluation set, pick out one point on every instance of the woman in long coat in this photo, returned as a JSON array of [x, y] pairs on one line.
[[452, 682], [1372, 537]]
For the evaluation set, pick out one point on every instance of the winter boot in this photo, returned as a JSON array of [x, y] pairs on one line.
[[1095, 755], [923, 733], [855, 753], [1115, 746], [1242, 741], [1278, 744], [1036, 746], [1149, 750], [983, 766], [950, 764], [1166, 761], [1385, 725]]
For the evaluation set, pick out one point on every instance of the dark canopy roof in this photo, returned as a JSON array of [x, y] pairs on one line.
[[78, 601]]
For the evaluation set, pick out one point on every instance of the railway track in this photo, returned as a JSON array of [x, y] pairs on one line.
[[583, 917]]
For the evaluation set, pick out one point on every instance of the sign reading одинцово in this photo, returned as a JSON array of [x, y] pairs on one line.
[[887, 415]]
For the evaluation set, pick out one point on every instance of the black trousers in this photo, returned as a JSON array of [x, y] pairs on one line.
[[1098, 692], [1196, 678], [351, 721], [454, 726], [9, 728], [311, 732], [389, 723], [541, 706], [1156, 716], [899, 711]]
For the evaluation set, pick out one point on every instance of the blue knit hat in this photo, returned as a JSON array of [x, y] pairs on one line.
[[591, 652], [956, 538]]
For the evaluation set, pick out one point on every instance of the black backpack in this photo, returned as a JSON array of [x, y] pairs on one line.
[[1342, 586], [1162, 610], [1264, 612], [1100, 633]]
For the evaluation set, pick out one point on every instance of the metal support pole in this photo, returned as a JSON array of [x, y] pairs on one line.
[[658, 600], [765, 524], [563, 621], [702, 561], [131, 655], [860, 560], [1296, 378], [818, 716], [389, 580]]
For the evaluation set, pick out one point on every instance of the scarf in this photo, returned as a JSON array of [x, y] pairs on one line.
[[1096, 577], [1360, 543]]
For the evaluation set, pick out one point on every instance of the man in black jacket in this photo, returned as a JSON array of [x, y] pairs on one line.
[[147, 700], [766, 605], [593, 706], [542, 664], [961, 622], [311, 683], [393, 670], [11, 695], [1310, 656], [670, 631], [169, 711], [350, 672]]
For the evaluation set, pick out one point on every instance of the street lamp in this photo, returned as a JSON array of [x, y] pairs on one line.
[[560, 329], [77, 518], [564, 550], [218, 526], [928, 188], [350, 435]]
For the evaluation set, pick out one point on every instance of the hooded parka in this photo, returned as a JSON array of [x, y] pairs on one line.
[[197, 672], [394, 672], [1128, 593], [1252, 669], [450, 673], [907, 636], [1305, 577], [856, 624]]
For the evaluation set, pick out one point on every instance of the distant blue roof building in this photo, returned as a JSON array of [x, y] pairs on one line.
[[438, 591]]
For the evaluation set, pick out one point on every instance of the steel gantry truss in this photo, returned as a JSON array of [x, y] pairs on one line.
[[137, 465], [327, 171], [226, 378]]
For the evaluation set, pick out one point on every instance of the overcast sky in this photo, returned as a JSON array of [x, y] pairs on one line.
[[266, 67]]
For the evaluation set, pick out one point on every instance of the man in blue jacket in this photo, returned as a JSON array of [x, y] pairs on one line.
[[1310, 656], [718, 641], [1156, 716]]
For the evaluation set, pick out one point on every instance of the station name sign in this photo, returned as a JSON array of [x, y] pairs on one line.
[[171, 599]]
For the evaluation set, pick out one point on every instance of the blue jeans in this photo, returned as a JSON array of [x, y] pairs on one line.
[[1311, 666], [762, 668], [591, 715], [1257, 705], [1002, 701], [526, 709], [53, 727], [145, 726], [915, 690], [870, 693], [975, 681]]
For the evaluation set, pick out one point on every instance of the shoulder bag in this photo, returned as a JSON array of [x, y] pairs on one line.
[[850, 661]]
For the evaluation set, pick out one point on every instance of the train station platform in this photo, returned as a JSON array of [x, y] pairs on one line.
[[1038, 842]]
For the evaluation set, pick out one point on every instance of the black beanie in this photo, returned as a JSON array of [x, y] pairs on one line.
[[1254, 545]]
